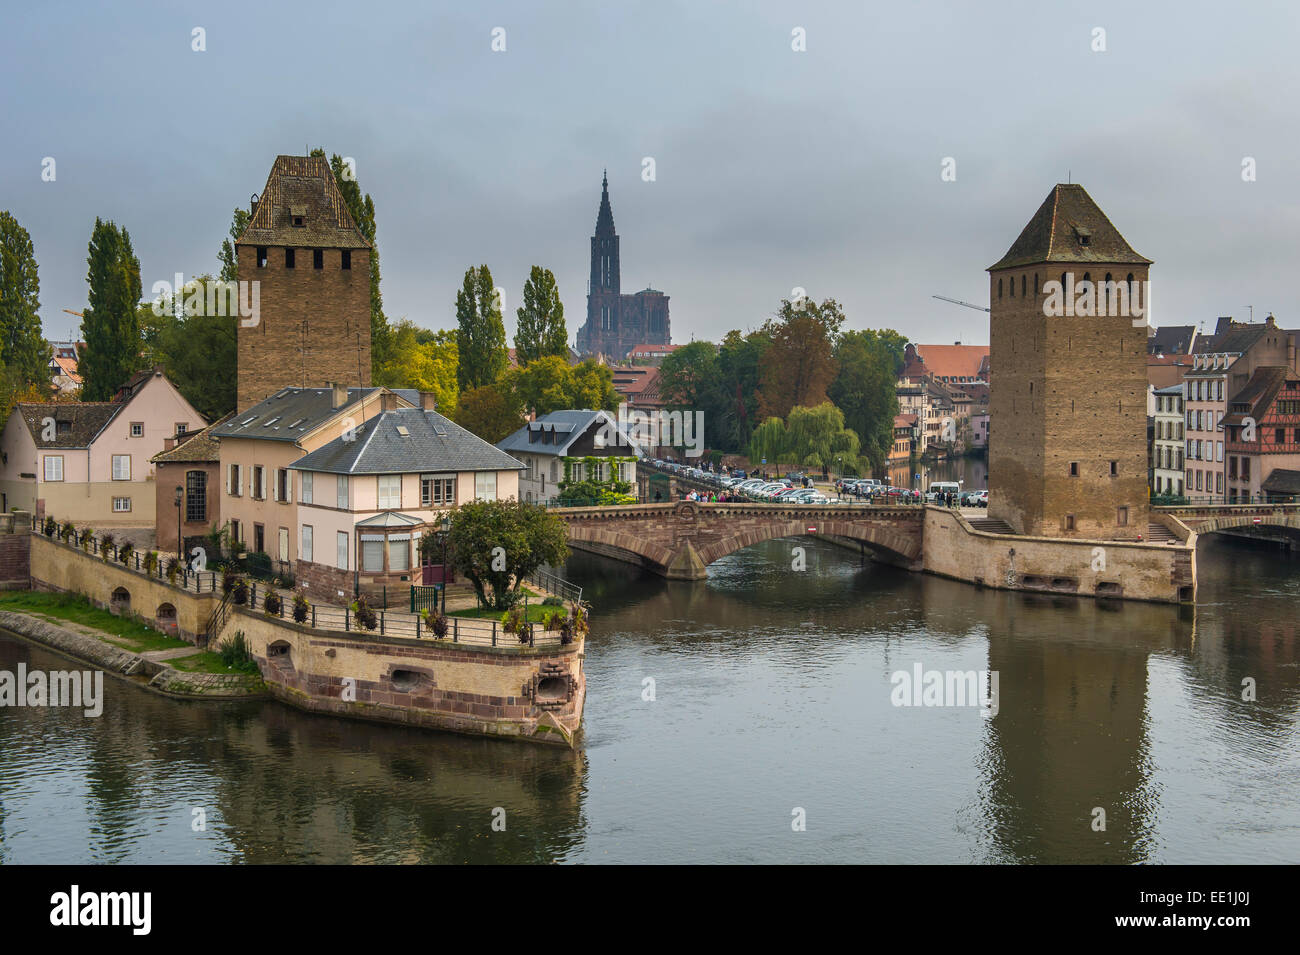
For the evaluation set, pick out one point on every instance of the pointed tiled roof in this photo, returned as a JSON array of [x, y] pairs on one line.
[[605, 217], [302, 186], [1069, 227], [1255, 397]]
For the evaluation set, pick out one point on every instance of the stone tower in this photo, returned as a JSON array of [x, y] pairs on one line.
[[1068, 380], [313, 268], [616, 323]]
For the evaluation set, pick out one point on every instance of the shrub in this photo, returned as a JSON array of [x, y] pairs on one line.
[[125, 551], [517, 624], [301, 608], [552, 602], [68, 532], [364, 613], [227, 580], [237, 654], [555, 620], [239, 591], [272, 604], [173, 570], [87, 535], [437, 623], [105, 545]]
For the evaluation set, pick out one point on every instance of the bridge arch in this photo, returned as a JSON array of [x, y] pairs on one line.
[[884, 542]]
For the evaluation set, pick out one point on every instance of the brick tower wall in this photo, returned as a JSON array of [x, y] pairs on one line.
[[335, 303], [1066, 390]]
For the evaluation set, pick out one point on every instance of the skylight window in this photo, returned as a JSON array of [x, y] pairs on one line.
[[440, 430], [298, 422], [247, 421], [401, 429], [270, 421]]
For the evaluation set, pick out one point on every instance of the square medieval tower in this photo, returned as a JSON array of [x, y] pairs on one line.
[[313, 268], [1068, 379]]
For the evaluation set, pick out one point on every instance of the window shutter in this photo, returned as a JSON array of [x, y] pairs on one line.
[[227, 479], [288, 486], [275, 486]]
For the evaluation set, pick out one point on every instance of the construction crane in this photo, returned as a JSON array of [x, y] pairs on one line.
[[959, 302]]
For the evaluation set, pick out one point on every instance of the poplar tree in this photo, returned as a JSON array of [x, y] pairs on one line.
[[23, 349], [541, 329], [480, 332], [110, 325]]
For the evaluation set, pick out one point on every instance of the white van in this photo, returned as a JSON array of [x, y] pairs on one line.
[[940, 488]]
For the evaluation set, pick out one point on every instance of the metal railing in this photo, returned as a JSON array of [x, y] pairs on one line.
[[467, 631], [184, 578], [556, 585]]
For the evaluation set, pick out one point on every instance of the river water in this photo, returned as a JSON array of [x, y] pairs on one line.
[[771, 705]]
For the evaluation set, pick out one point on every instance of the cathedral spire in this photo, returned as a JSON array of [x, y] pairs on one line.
[[605, 217]]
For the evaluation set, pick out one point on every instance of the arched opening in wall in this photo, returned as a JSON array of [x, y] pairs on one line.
[[165, 619], [120, 601], [552, 688], [280, 654], [408, 681]]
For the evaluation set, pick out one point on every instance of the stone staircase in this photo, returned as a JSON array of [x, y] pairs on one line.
[[1159, 534], [990, 526]]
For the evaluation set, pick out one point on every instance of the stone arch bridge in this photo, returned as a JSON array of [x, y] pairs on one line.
[[1279, 522], [678, 540]]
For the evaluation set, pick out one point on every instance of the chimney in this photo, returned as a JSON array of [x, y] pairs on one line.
[[1271, 322], [169, 443], [340, 395], [387, 401], [428, 401]]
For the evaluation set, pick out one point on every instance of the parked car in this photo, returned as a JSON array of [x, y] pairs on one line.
[[939, 489], [975, 498]]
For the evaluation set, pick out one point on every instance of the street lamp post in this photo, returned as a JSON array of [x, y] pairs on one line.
[[180, 497], [442, 538]]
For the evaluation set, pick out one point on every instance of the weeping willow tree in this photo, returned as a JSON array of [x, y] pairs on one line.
[[812, 438]]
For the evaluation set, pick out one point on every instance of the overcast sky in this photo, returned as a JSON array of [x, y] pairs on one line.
[[774, 168]]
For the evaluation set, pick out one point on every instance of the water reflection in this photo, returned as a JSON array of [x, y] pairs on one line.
[[715, 710]]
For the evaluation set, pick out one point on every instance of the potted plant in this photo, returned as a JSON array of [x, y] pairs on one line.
[[105, 545], [68, 532], [87, 537], [125, 551], [227, 580], [364, 613], [151, 562], [173, 571], [301, 608], [50, 527], [239, 591], [437, 623], [272, 604]]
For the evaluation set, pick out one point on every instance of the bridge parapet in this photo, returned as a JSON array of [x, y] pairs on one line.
[[1205, 518], [680, 539]]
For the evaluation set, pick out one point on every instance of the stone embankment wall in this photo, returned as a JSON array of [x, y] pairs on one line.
[[15, 565], [520, 692], [63, 567], [532, 693], [1165, 573]]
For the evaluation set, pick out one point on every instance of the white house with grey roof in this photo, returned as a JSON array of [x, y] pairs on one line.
[[543, 444], [366, 497]]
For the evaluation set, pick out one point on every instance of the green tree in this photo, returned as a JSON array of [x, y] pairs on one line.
[[362, 209], [227, 256], [492, 412], [544, 385], [799, 365], [23, 348], [593, 387], [110, 325], [687, 378], [423, 360], [528, 536], [865, 388], [195, 348], [737, 381], [480, 333], [541, 329]]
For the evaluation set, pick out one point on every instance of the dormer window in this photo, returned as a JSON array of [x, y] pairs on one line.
[[298, 222], [1083, 235], [298, 215]]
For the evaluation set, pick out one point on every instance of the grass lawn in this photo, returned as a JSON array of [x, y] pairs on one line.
[[129, 634], [536, 613], [201, 662]]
